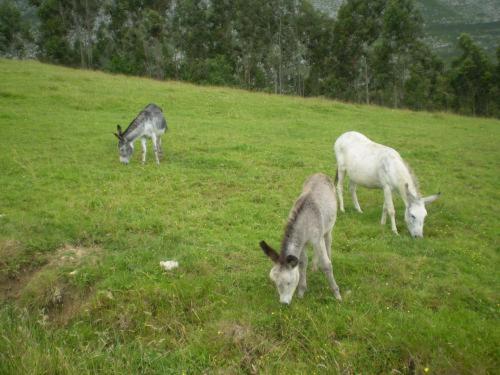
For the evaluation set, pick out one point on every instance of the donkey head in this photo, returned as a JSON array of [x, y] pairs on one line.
[[284, 273], [124, 147], [415, 212]]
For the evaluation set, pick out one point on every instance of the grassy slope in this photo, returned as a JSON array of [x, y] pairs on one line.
[[235, 162]]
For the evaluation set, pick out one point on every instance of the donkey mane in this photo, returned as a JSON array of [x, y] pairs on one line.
[[413, 177], [298, 207], [138, 120]]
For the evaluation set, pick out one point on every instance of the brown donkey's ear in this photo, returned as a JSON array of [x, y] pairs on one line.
[[269, 251]]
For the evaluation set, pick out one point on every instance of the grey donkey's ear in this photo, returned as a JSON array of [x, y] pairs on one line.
[[292, 261], [119, 129], [269, 251], [117, 136], [431, 198]]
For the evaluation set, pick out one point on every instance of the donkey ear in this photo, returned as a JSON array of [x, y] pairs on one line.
[[292, 261], [119, 129], [409, 195], [269, 251], [431, 198], [117, 136]]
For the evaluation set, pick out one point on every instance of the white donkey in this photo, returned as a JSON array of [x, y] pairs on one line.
[[374, 165], [311, 220], [149, 123]]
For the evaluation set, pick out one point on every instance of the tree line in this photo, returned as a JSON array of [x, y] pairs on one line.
[[372, 52]]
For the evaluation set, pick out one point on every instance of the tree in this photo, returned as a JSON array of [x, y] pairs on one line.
[[400, 38], [424, 87], [471, 78], [357, 28]]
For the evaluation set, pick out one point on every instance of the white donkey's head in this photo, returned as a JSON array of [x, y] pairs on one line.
[[284, 273], [415, 212], [125, 147]]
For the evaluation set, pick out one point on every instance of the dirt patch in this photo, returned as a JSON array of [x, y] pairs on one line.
[[12, 277], [250, 345], [8, 247], [48, 287], [9, 251], [234, 332], [74, 256]]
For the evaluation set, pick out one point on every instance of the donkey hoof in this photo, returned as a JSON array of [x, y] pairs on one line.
[[300, 292], [337, 295]]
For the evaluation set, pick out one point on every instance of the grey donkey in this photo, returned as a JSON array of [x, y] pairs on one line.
[[311, 220], [149, 123]]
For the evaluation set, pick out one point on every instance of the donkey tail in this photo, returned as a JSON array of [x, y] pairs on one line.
[[336, 176]]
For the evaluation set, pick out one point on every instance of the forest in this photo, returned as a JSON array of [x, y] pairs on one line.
[[373, 51]]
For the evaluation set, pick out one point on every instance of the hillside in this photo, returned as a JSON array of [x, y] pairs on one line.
[[445, 20], [81, 236]]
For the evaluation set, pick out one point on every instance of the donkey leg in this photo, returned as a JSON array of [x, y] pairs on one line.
[[328, 244], [155, 147], [143, 144], [314, 267], [384, 214], [352, 188], [160, 147], [303, 274], [389, 205], [326, 267], [340, 183]]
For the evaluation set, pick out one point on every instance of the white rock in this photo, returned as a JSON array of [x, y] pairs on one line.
[[169, 265]]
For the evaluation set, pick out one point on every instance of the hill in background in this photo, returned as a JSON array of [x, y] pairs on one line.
[[445, 20]]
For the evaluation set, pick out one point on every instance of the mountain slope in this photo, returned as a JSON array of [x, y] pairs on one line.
[[445, 20]]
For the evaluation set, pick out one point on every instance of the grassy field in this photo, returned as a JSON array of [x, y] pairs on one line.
[[81, 236]]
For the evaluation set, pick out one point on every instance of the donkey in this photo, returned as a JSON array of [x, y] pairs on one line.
[[374, 165], [149, 123], [311, 220]]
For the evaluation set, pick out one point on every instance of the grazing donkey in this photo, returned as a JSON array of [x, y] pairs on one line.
[[150, 123], [311, 220], [374, 165]]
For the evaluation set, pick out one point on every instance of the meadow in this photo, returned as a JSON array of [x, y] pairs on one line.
[[81, 236]]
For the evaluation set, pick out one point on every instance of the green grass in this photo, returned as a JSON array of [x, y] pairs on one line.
[[235, 162]]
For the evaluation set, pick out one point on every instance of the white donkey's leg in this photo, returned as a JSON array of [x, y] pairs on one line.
[[340, 183], [303, 274], [328, 244], [389, 205], [143, 144], [384, 214], [352, 188], [155, 147], [326, 267]]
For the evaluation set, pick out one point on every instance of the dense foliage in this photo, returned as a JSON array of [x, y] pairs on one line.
[[373, 52]]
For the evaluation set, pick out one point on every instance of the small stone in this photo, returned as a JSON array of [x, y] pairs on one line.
[[169, 265]]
